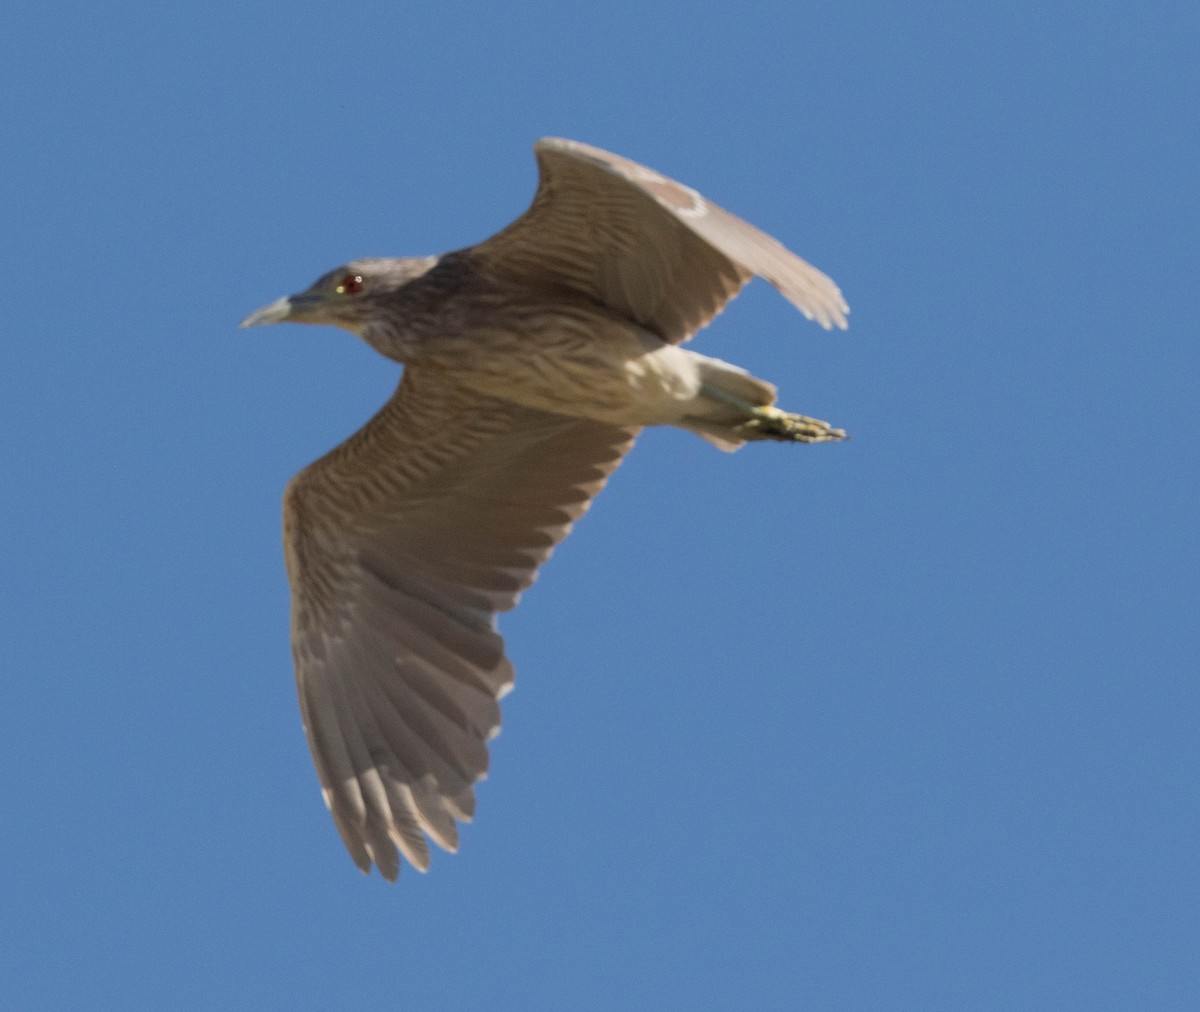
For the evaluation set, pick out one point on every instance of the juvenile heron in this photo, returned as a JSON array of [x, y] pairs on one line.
[[531, 362]]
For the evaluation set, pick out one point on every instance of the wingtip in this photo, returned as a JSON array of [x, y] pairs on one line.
[[836, 321]]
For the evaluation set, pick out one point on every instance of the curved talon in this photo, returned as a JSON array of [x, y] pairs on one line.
[[772, 423]]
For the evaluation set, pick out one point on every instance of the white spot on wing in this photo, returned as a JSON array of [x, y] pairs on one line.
[[679, 198]]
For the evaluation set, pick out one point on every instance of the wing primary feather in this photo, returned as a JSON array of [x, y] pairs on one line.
[[428, 800], [431, 774], [459, 688], [373, 826], [342, 792], [480, 650], [334, 764], [433, 745], [472, 710], [403, 824]]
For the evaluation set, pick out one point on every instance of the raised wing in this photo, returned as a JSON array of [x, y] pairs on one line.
[[647, 246], [402, 545]]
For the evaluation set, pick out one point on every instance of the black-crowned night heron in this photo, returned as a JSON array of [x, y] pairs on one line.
[[531, 362]]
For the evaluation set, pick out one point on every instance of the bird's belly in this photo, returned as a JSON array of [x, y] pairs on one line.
[[585, 365]]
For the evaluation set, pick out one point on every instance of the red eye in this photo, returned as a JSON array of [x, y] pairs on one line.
[[351, 284]]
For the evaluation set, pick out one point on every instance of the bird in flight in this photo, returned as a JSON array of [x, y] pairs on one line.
[[531, 363]]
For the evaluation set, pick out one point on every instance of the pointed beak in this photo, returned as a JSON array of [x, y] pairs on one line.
[[276, 312]]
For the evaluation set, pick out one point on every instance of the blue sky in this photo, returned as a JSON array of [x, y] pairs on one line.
[[906, 722]]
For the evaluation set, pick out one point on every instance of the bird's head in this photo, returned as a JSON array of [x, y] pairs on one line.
[[348, 296]]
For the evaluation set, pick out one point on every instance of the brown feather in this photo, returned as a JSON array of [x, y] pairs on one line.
[[644, 245], [402, 545]]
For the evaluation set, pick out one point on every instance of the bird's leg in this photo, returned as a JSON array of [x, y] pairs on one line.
[[734, 407], [772, 423]]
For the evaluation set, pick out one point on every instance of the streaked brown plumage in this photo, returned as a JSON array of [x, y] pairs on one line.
[[532, 361]]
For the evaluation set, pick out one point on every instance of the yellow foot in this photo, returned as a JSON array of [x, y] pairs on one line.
[[771, 423]]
